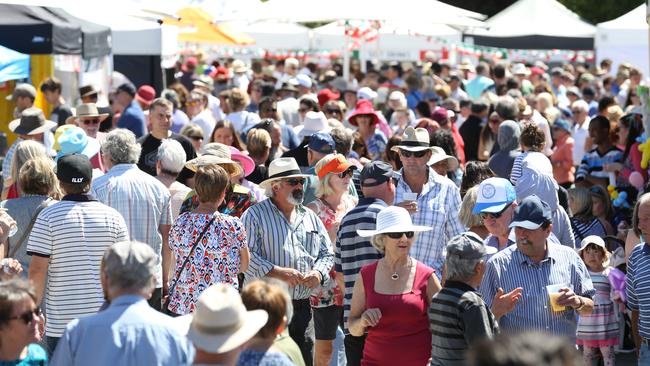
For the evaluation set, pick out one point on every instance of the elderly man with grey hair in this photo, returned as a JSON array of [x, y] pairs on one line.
[[170, 162], [458, 316], [142, 200], [129, 331]]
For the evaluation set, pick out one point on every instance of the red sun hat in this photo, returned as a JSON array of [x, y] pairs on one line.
[[146, 94], [363, 108]]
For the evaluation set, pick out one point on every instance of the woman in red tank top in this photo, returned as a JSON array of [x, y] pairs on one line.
[[391, 296]]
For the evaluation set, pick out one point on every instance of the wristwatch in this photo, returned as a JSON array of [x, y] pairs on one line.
[[582, 304]]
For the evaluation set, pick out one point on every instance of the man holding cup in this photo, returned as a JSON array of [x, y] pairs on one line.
[[431, 199], [535, 264]]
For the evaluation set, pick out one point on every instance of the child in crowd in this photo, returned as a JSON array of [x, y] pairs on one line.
[[598, 330]]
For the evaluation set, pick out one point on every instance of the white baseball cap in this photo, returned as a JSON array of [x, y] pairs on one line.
[[366, 93], [494, 194]]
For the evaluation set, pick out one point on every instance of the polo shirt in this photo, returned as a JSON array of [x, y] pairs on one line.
[[637, 286], [510, 269], [73, 234], [458, 317], [354, 251]]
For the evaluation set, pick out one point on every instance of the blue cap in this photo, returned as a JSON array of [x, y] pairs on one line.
[[322, 142], [562, 124], [494, 194], [531, 213]]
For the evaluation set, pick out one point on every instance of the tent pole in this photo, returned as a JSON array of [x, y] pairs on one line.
[[346, 59]]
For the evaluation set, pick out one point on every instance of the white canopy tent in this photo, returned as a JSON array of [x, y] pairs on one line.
[[624, 39], [274, 35], [535, 24]]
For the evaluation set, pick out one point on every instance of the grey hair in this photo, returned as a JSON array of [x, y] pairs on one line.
[[507, 108], [268, 190], [460, 269], [130, 266], [122, 146], [171, 156], [581, 105]]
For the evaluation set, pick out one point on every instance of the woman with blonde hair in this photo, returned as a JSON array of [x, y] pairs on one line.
[[241, 119], [332, 203], [25, 150], [40, 188], [472, 222], [583, 222], [195, 134]]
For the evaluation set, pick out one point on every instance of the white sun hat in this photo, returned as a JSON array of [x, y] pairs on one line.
[[393, 219]]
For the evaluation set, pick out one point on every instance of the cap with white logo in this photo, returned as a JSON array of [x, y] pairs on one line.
[[494, 194]]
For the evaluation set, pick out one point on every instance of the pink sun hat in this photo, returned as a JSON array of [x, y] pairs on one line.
[[247, 163]]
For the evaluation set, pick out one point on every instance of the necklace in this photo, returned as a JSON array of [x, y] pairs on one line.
[[395, 275]]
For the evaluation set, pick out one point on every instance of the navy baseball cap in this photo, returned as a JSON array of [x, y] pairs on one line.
[[377, 171], [322, 142], [531, 213]]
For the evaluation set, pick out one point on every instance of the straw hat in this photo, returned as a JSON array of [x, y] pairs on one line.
[[282, 168], [217, 154], [393, 219], [439, 155], [89, 110], [220, 322], [415, 139]]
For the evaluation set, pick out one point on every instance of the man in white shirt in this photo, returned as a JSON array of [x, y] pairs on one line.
[[580, 130]]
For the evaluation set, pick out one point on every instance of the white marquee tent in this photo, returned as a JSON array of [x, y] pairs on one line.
[[624, 39], [274, 35], [535, 24]]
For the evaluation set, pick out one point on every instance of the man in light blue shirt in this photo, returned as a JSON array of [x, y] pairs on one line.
[[480, 83], [128, 331]]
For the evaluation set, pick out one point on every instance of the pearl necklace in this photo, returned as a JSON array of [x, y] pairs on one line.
[[395, 275]]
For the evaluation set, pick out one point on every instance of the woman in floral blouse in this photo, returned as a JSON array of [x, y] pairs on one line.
[[332, 203], [220, 255]]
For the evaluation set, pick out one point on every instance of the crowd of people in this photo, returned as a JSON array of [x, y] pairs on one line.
[[275, 213]]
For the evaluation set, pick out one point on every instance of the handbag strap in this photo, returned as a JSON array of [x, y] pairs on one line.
[[25, 235], [189, 255]]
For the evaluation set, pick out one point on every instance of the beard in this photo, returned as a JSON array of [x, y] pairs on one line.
[[296, 197]]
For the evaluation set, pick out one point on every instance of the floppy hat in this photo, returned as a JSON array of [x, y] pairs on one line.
[[146, 94], [245, 160], [218, 154], [74, 140], [59, 131], [239, 67], [393, 219], [494, 194], [31, 122], [415, 139], [363, 108], [335, 166], [220, 322], [531, 213], [439, 155], [282, 168], [468, 245], [314, 122], [89, 110], [22, 90]]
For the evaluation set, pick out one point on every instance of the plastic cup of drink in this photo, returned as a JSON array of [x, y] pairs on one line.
[[554, 294], [410, 197]]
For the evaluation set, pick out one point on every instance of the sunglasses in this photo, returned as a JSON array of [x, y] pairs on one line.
[[409, 235], [196, 138], [332, 110], [270, 110], [192, 103], [93, 121], [408, 154], [347, 173], [494, 215], [294, 182], [28, 316]]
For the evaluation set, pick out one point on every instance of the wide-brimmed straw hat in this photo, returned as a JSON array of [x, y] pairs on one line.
[[439, 155], [414, 139], [393, 219], [217, 154], [220, 322], [282, 168], [89, 110], [31, 122]]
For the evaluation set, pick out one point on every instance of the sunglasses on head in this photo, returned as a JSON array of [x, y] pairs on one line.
[[408, 154], [409, 235], [295, 181], [494, 215], [92, 121], [346, 173], [28, 316]]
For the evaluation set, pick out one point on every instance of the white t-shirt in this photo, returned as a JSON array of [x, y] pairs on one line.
[[580, 134]]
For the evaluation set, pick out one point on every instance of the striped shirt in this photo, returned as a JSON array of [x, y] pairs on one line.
[[638, 286], [142, 200], [582, 230], [458, 317], [438, 206], [73, 234], [273, 241], [592, 162], [510, 269], [354, 251], [6, 163]]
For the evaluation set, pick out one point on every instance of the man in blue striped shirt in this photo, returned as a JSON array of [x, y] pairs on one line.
[[533, 264], [289, 242], [354, 251], [638, 284]]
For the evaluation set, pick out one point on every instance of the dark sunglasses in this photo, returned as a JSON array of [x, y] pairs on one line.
[[409, 235], [270, 110], [93, 121], [332, 110], [196, 138], [28, 316], [494, 215], [294, 182], [346, 173], [408, 154]]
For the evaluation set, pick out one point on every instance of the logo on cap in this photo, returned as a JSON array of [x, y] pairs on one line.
[[77, 180], [488, 191]]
